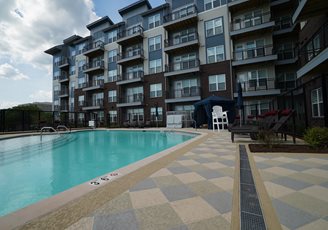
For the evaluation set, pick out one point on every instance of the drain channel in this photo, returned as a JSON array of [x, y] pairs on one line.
[[251, 217]]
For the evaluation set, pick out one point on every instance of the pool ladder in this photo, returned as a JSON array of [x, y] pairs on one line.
[[49, 128]]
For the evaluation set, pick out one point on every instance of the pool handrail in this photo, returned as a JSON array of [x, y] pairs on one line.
[[47, 128], [63, 127]]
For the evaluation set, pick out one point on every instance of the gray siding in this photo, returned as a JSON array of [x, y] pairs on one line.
[[157, 54], [179, 3], [133, 20]]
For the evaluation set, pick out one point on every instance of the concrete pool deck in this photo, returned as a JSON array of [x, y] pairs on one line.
[[197, 187]]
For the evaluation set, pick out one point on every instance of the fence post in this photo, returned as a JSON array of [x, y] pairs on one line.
[[305, 108], [293, 117], [324, 98]]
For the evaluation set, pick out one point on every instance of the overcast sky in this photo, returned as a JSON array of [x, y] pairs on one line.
[[28, 28]]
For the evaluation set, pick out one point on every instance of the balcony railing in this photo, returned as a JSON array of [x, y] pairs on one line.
[[184, 12], [185, 92], [95, 64], [181, 40], [63, 92], [283, 23], [63, 76], [247, 22], [64, 107], [253, 53], [131, 76], [130, 54], [136, 30], [93, 45], [132, 98], [94, 103], [62, 61], [258, 84], [287, 54], [182, 65], [94, 83]]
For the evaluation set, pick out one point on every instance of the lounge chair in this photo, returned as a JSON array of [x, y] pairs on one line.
[[269, 122]]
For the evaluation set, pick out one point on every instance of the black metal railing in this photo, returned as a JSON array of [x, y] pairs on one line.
[[93, 103], [94, 83], [64, 107], [182, 65], [184, 92], [136, 30], [131, 75], [258, 84], [93, 45], [179, 14], [253, 53], [63, 76], [287, 54], [283, 23], [64, 92], [247, 22], [182, 39], [95, 64], [132, 98], [130, 54], [62, 61]]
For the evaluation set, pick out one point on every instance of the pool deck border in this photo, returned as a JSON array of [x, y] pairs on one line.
[[80, 200]]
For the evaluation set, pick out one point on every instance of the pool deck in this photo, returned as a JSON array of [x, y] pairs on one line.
[[197, 187]]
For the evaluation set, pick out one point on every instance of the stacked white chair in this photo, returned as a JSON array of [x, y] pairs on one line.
[[221, 117]]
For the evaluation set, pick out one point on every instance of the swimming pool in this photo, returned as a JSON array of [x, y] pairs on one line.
[[31, 170]]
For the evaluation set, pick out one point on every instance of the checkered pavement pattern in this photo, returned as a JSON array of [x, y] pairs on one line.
[[298, 187], [193, 192]]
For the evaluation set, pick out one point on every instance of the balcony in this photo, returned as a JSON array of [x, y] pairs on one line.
[[287, 56], [94, 49], [131, 35], [183, 95], [188, 42], [93, 67], [242, 26], [314, 54], [64, 108], [63, 93], [63, 63], [255, 55], [239, 5], [259, 87], [284, 25], [131, 100], [182, 67], [93, 85], [93, 104], [131, 56], [182, 18], [130, 77], [309, 8], [63, 77]]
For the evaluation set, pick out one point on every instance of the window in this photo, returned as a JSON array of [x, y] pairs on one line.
[[313, 47], [253, 18], [112, 75], [154, 43], [155, 66], [215, 54], [159, 113], [81, 100], [156, 90], [184, 36], [112, 56], [80, 48], [112, 96], [257, 107], [56, 75], [80, 65], [112, 36], [286, 80], [72, 70], [209, 4], [154, 21], [81, 117], [317, 102], [134, 94], [186, 61], [135, 115], [217, 82], [112, 114], [214, 27], [255, 80]]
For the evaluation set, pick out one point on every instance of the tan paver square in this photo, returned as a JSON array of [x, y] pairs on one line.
[[308, 164], [316, 191], [190, 154], [315, 225], [285, 159], [210, 224], [193, 210], [317, 172], [259, 159], [307, 203], [165, 181], [188, 162], [118, 204], [214, 165], [317, 161], [203, 188], [268, 176], [162, 172], [209, 155], [273, 162], [199, 167], [191, 177], [227, 216], [308, 178], [159, 217], [229, 157], [227, 171], [225, 183], [276, 191], [146, 198], [85, 223], [279, 171]]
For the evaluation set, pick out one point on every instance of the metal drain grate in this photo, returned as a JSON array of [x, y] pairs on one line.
[[250, 208]]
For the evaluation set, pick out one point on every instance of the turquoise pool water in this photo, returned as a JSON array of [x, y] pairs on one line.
[[31, 171]]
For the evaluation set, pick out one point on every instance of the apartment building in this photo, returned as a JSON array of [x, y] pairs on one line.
[[166, 58]]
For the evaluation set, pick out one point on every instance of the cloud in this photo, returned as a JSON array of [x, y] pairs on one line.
[[41, 96], [8, 104], [39, 25], [7, 71]]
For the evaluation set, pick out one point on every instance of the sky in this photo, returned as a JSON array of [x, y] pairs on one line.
[[28, 28]]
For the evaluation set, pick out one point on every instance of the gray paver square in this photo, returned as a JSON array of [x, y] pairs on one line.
[[261, 165], [145, 184], [326, 218], [295, 167], [291, 217], [291, 183], [325, 184], [180, 227], [179, 170], [221, 201], [124, 220], [204, 160], [210, 174], [324, 167], [229, 163], [178, 192]]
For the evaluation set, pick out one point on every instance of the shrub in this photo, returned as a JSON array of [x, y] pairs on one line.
[[268, 137], [317, 137]]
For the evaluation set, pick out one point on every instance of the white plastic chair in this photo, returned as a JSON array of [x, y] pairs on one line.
[[215, 121], [222, 116]]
